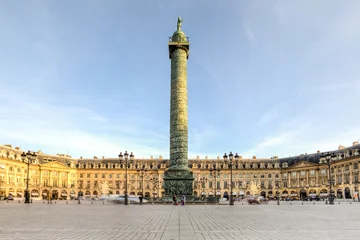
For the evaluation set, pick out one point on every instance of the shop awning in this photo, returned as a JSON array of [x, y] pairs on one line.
[[44, 194], [241, 193], [293, 194], [324, 194], [19, 193], [218, 193], [12, 193], [64, 194], [35, 194], [284, 195], [203, 193], [211, 193], [234, 193], [73, 195], [312, 195]]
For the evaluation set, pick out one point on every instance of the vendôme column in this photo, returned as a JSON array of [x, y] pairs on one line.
[[178, 179]]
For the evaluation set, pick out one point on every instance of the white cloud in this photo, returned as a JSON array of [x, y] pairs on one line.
[[80, 131], [268, 116]]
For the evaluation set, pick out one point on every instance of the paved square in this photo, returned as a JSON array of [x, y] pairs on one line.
[[109, 221]]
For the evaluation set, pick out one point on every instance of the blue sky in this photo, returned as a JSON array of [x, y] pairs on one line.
[[92, 78]]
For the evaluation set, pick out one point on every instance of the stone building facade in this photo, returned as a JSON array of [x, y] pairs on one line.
[[63, 177]]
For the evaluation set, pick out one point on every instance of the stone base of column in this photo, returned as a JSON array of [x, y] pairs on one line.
[[178, 182]]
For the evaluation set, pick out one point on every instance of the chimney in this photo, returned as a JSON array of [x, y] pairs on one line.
[[197, 157], [355, 143], [206, 157], [318, 151], [341, 147], [254, 157], [17, 148], [151, 157], [240, 157], [8, 145]]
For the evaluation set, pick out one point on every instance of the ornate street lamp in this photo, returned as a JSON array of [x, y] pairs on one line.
[[327, 159], [215, 172], [230, 163], [142, 172], [28, 158], [122, 159]]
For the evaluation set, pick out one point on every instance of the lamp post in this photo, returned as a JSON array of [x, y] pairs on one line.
[[125, 158], [30, 157], [215, 172], [142, 172], [230, 163], [327, 159], [278, 187], [203, 181], [356, 190]]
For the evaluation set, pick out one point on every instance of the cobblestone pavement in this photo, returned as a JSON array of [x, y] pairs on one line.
[[108, 221]]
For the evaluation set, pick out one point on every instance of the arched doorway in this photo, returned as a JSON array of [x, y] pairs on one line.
[[45, 194], [303, 194], [132, 193], [87, 194], [347, 193], [63, 195], [263, 194], [95, 193], [54, 195], [195, 193], [211, 194], [323, 193], [285, 194], [147, 194], [11, 192], [339, 193], [19, 193], [35, 193], [226, 195], [293, 195], [247, 193], [312, 193], [270, 194], [72, 194]]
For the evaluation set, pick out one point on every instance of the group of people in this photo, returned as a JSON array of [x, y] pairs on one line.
[[183, 200]]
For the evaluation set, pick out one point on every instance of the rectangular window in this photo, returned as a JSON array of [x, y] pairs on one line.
[[285, 184], [55, 183], [210, 185], [63, 183], [356, 178], [247, 175], [117, 175], [103, 175], [269, 175], [262, 176], [302, 173], [312, 172], [355, 165], [240, 175], [218, 184], [95, 175], [18, 170], [225, 184], [284, 175], [293, 174], [339, 180], [262, 184], [110, 175], [88, 175], [81, 175], [46, 182]]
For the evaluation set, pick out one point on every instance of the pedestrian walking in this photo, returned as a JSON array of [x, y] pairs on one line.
[[183, 199], [174, 200]]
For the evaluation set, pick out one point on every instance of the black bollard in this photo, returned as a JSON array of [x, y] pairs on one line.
[[19, 201], [302, 203], [103, 203], [55, 202], [91, 202], [313, 203], [350, 202], [290, 203], [66, 202]]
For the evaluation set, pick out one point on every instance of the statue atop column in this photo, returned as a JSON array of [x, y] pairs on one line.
[[179, 23]]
